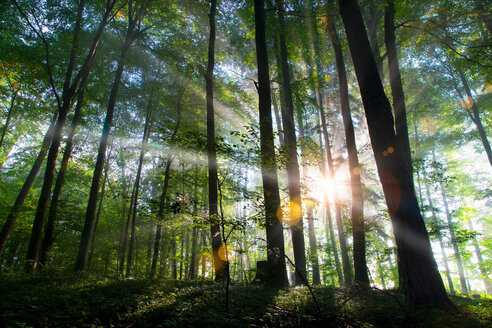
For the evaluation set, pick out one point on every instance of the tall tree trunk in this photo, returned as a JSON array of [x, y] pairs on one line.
[[293, 174], [60, 180], [277, 275], [372, 16], [475, 117], [457, 254], [422, 282], [81, 261], [313, 246], [69, 90], [358, 230], [162, 199], [219, 264], [347, 270], [145, 140], [401, 126], [99, 208], [21, 197]]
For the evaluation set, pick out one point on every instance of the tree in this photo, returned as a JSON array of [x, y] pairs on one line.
[[277, 274], [422, 282]]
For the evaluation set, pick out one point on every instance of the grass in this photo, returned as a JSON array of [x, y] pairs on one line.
[[57, 300]]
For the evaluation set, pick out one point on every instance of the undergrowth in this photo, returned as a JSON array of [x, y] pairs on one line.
[[69, 300]]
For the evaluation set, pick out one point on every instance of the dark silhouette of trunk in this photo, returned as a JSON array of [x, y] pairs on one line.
[[454, 244], [313, 246], [99, 208], [124, 235], [293, 174], [9, 115], [60, 180], [372, 18], [213, 211], [475, 116], [358, 230], [422, 282], [21, 197], [174, 265], [277, 273], [162, 199], [401, 126], [347, 270], [485, 15], [143, 148], [193, 272], [278, 121], [69, 91], [81, 261], [486, 281]]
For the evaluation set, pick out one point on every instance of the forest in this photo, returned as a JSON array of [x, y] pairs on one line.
[[245, 163]]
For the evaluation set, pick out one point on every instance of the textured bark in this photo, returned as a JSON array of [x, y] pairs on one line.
[[60, 180], [422, 282], [358, 229], [213, 211], [81, 261], [293, 174], [277, 275], [21, 197]]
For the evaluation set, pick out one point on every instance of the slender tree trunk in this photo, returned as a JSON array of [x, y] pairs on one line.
[[422, 282], [278, 121], [69, 90], [21, 197], [81, 261], [347, 270], [475, 116], [358, 229], [293, 174], [213, 211], [277, 275], [312, 246], [174, 265], [457, 254], [99, 208], [162, 200], [145, 140], [60, 180], [9, 115]]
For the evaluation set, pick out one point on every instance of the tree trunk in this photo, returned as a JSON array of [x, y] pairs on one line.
[[213, 211], [60, 180], [293, 174], [459, 262], [372, 18], [277, 275], [486, 16], [475, 116], [81, 261], [9, 115], [312, 246], [401, 126], [145, 140], [347, 270], [69, 90], [422, 282], [358, 230]]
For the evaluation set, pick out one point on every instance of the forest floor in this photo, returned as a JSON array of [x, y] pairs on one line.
[[57, 300]]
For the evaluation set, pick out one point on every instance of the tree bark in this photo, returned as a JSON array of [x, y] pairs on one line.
[[277, 275], [358, 229], [219, 264], [81, 261], [422, 282], [293, 174], [60, 180], [9, 115]]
